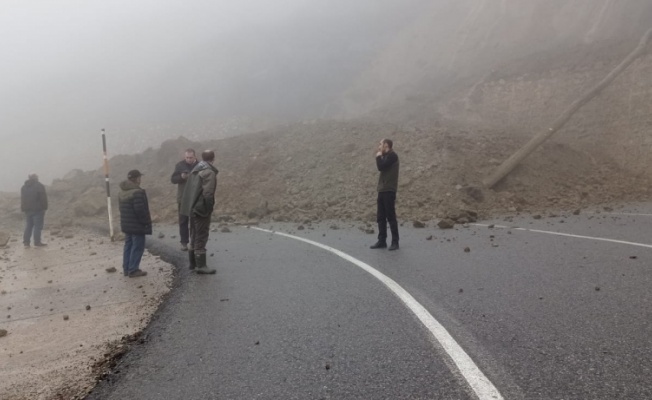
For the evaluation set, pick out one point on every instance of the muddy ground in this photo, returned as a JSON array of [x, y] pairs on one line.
[[64, 317]]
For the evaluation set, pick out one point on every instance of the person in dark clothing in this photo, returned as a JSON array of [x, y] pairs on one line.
[[180, 177], [388, 165], [135, 222], [34, 203], [197, 203]]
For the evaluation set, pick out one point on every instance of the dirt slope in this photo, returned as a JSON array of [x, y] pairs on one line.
[[326, 170]]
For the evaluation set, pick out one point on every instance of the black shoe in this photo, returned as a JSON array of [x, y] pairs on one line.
[[137, 273], [393, 247], [379, 245]]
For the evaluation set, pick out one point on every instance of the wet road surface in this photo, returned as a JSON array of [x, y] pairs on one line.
[[541, 316]]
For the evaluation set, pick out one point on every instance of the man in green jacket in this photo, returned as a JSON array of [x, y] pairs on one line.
[[197, 202], [388, 165]]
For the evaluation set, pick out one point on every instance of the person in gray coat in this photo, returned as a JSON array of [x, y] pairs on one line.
[[197, 203]]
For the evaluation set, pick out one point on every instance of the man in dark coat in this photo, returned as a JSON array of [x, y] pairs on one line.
[[387, 163], [180, 177], [197, 203], [135, 222], [34, 203]]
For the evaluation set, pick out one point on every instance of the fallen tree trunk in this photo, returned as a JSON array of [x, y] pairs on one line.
[[508, 165]]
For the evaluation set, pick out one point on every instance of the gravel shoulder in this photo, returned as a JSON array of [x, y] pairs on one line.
[[64, 316]]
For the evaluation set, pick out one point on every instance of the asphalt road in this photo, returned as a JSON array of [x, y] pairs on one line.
[[541, 316]]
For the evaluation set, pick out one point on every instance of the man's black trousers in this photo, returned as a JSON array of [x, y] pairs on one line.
[[387, 213]]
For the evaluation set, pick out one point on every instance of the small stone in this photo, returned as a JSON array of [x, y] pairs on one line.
[[93, 253], [597, 288], [66, 318], [88, 308], [467, 249], [577, 212], [50, 281], [429, 237], [328, 366], [161, 235], [3, 332], [446, 224], [110, 269], [418, 224], [633, 257], [492, 226], [369, 231], [301, 227], [536, 216], [460, 291], [225, 230]]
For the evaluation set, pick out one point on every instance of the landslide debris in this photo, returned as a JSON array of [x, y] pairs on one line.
[[325, 170]]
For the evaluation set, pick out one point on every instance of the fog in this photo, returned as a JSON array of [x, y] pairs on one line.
[[159, 69]]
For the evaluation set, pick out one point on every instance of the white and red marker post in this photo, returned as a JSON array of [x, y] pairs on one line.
[[108, 189]]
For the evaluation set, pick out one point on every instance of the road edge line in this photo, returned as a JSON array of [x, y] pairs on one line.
[[475, 378], [601, 239]]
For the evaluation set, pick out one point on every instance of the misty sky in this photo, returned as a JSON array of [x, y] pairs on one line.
[[72, 67]]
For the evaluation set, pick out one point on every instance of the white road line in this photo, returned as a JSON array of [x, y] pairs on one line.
[[649, 246], [626, 214], [480, 384]]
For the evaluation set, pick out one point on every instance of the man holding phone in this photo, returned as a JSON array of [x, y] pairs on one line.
[[388, 165]]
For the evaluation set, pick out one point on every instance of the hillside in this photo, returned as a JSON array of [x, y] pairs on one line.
[[325, 170]]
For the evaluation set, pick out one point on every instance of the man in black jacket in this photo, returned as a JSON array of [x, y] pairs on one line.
[[180, 177], [135, 222], [387, 163], [34, 203]]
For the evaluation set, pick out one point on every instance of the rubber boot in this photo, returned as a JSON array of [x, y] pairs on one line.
[[201, 265], [191, 258]]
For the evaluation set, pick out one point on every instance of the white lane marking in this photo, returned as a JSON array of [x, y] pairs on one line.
[[480, 384], [626, 214], [649, 246]]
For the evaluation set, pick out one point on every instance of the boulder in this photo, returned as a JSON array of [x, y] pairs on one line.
[[446, 224]]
